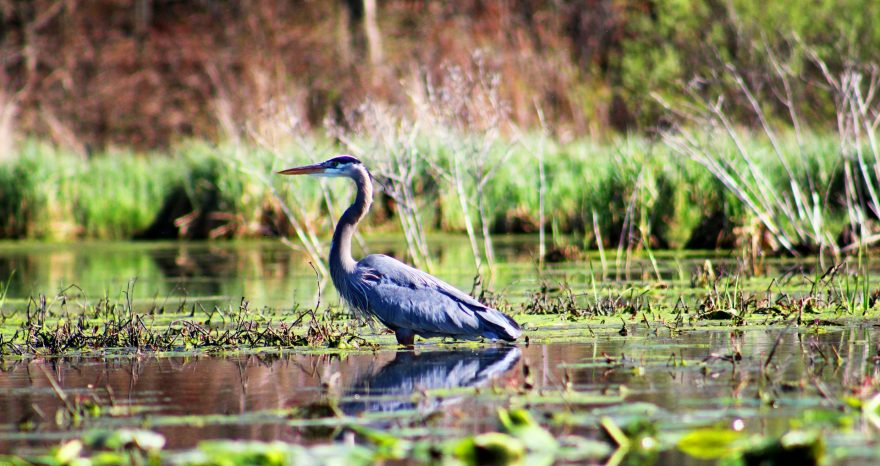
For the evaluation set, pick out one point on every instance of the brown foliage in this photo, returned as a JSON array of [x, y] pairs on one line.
[[147, 72]]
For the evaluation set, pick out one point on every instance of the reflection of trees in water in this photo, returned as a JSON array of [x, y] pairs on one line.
[[390, 388], [204, 263], [253, 271], [19, 272], [269, 272]]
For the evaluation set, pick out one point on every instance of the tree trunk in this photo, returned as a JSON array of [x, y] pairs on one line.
[[371, 27]]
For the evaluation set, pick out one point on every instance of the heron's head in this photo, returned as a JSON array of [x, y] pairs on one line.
[[341, 165]]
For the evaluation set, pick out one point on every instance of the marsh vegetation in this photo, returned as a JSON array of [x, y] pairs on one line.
[[679, 202], [680, 358]]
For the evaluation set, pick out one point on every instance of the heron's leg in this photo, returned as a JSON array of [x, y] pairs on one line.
[[405, 338]]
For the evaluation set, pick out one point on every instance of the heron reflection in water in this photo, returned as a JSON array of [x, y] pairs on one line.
[[391, 387], [406, 300]]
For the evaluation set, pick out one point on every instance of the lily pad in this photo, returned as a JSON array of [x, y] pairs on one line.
[[710, 443]]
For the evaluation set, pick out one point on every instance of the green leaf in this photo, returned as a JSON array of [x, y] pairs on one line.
[[519, 423], [69, 451], [710, 443], [615, 432], [119, 439], [795, 447], [493, 448], [580, 449]]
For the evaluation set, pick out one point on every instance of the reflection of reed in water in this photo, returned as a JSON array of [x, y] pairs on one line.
[[390, 388]]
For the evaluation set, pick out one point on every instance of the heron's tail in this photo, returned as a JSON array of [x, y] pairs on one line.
[[497, 325]]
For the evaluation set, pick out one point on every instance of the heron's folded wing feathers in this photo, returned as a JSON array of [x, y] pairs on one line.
[[406, 297]]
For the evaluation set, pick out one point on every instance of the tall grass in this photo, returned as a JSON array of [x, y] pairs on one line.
[[642, 193], [117, 195], [50, 194], [798, 187]]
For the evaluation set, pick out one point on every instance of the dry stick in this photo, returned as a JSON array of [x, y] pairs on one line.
[[406, 223], [452, 113], [600, 245], [858, 111], [783, 73], [409, 216], [542, 187], [483, 180], [776, 344], [309, 243], [462, 199], [863, 169], [865, 105], [685, 144], [59, 392], [688, 147], [800, 198], [409, 176], [715, 116], [306, 237], [421, 238], [853, 209], [626, 232], [399, 171], [484, 226], [489, 113], [404, 207], [318, 279], [484, 223], [392, 167], [840, 87], [763, 185]]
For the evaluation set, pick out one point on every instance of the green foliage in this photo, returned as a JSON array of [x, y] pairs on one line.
[[670, 43], [492, 448], [519, 423], [125, 439], [50, 194], [795, 447], [631, 188], [243, 454], [118, 195], [708, 444]]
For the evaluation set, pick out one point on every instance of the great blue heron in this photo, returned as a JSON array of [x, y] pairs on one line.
[[406, 300]]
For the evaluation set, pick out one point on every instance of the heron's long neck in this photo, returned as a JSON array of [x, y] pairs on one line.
[[340, 249]]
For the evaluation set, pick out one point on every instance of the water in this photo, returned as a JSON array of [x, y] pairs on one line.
[[267, 272], [193, 398], [271, 274], [569, 377]]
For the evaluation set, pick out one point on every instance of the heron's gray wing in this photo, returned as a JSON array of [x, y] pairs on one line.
[[406, 298]]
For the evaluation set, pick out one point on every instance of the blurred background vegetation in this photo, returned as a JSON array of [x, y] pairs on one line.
[[146, 73], [161, 118]]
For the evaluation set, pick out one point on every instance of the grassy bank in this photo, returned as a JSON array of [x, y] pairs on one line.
[[618, 192]]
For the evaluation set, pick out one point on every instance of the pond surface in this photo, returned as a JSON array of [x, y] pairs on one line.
[[441, 392], [271, 274], [764, 380]]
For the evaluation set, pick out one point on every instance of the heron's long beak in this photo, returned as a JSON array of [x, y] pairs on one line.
[[304, 170]]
